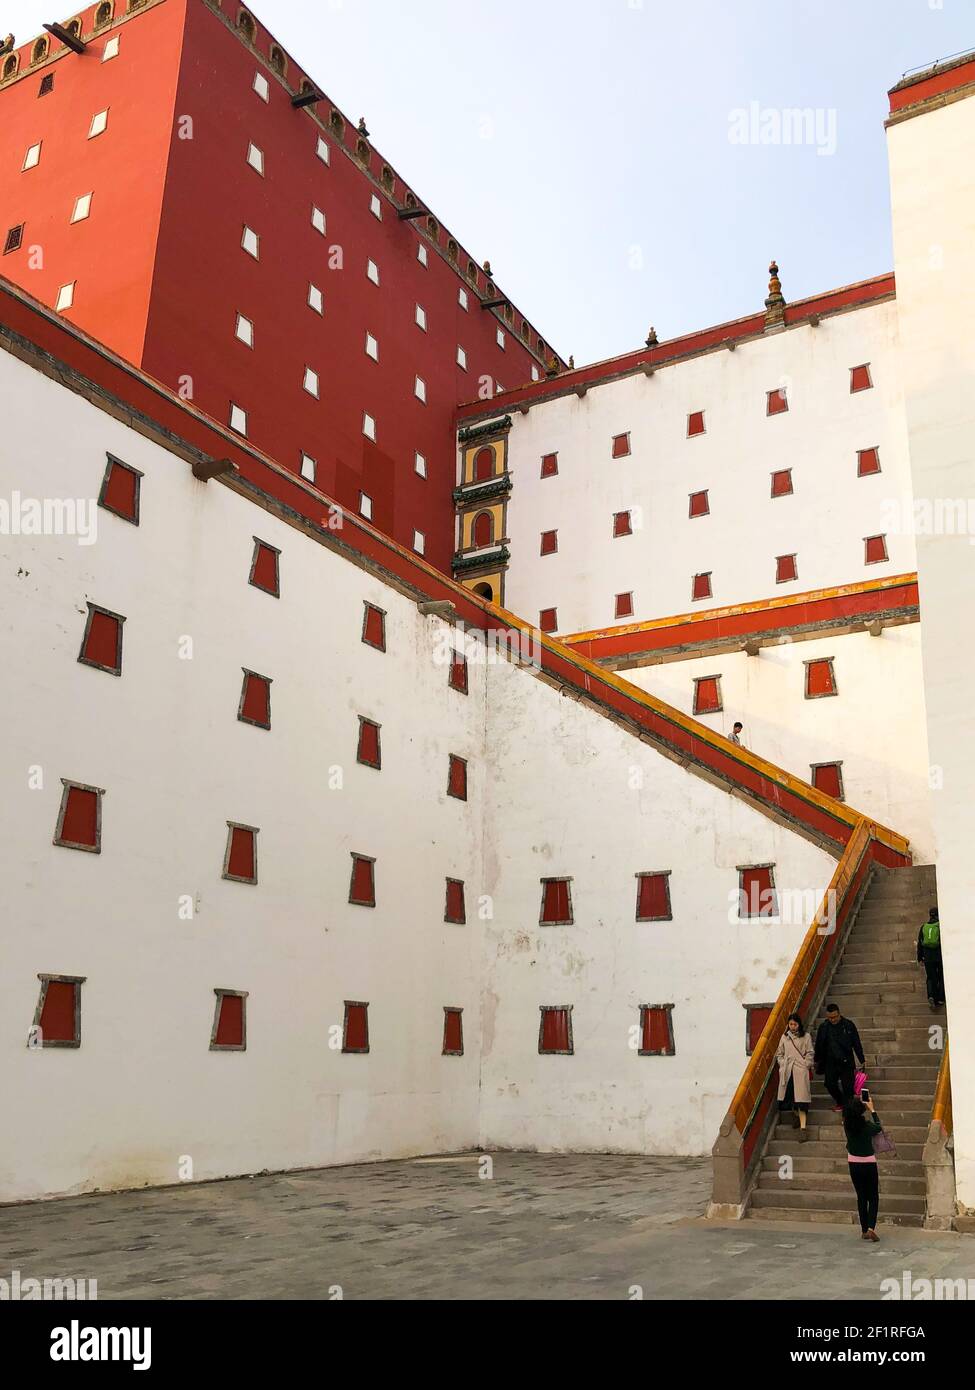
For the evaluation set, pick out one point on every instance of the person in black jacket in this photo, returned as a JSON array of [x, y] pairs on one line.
[[838, 1048], [929, 955]]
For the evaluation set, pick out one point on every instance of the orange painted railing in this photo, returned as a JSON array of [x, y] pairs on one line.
[[941, 1111], [744, 1124]]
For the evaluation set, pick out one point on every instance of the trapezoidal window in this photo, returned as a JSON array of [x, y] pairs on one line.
[[121, 490], [701, 586], [369, 750], [785, 569], [874, 550], [482, 532], [828, 778], [548, 619], [265, 568], [355, 1029], [860, 378], [653, 897], [556, 908], [820, 678], [79, 824], [695, 423], [229, 1031], [777, 401], [624, 605], [457, 677], [756, 1017], [255, 700], [14, 239], [707, 695], [621, 446], [362, 887], [374, 627], [550, 465], [782, 483], [240, 856], [101, 645], [46, 85], [657, 1030], [868, 461], [756, 891], [453, 1032], [622, 524], [57, 1017], [555, 1030], [455, 909], [699, 505], [457, 777]]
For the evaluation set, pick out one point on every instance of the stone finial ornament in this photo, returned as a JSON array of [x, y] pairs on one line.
[[652, 337], [775, 303], [553, 368], [487, 269], [572, 364], [7, 45], [362, 128]]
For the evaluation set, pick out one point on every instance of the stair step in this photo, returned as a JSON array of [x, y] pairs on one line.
[[808, 1159], [833, 1135], [830, 1218], [895, 1186], [837, 1200], [834, 1149]]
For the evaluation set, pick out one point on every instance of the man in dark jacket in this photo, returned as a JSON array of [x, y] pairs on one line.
[[929, 954], [838, 1048]]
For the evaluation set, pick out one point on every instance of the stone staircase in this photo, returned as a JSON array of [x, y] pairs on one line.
[[879, 985]]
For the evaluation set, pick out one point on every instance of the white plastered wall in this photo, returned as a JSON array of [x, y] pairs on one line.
[[874, 725], [933, 199], [551, 787], [823, 523]]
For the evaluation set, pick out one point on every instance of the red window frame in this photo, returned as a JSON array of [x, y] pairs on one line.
[[820, 678], [653, 896], [255, 700], [374, 626], [355, 1027], [455, 907], [266, 568], [121, 490], [756, 889], [79, 823], [229, 1032], [707, 695], [101, 643], [362, 883], [240, 856], [555, 1030], [657, 1031], [556, 906], [782, 483]]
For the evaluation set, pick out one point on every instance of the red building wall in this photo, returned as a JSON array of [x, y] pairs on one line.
[[161, 274], [111, 253]]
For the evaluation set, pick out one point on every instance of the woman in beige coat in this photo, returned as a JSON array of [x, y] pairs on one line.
[[795, 1058]]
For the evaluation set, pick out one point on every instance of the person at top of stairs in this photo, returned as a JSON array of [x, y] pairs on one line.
[[862, 1124], [838, 1047], [795, 1059], [929, 955]]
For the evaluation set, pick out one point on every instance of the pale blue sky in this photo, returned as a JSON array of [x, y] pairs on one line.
[[584, 145]]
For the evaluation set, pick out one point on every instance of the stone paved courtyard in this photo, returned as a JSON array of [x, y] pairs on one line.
[[542, 1227]]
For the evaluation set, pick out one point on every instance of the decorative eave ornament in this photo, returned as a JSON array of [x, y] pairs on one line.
[[775, 304], [652, 338]]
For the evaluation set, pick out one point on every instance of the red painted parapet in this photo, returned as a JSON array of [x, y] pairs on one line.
[[893, 599], [919, 88], [739, 1143]]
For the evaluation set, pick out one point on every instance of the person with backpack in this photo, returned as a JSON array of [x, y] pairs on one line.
[[929, 955], [861, 1124]]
